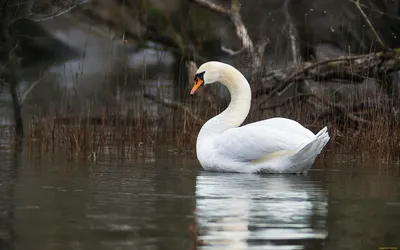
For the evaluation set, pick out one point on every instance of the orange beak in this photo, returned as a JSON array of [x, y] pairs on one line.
[[197, 83]]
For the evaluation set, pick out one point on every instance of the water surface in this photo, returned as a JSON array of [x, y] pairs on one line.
[[159, 200]]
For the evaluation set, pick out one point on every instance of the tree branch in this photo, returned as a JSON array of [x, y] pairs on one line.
[[234, 15], [292, 32], [357, 3], [141, 29], [29, 90], [212, 6], [27, 11], [351, 69], [57, 13], [375, 10]]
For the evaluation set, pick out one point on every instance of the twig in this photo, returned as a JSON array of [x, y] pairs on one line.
[[375, 10], [230, 52], [29, 90], [52, 15], [358, 119], [59, 12], [357, 3], [212, 6]]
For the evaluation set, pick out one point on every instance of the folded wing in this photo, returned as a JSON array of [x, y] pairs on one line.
[[258, 140]]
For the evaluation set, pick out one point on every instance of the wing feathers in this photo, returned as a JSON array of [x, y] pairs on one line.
[[263, 140]]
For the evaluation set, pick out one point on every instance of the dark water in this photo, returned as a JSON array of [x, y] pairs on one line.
[[163, 201]]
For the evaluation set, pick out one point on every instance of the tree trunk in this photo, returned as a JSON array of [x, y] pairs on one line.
[[9, 59], [19, 128]]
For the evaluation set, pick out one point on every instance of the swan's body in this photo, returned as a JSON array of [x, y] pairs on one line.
[[276, 145]]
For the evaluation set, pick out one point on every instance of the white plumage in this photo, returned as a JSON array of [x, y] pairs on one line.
[[276, 145]]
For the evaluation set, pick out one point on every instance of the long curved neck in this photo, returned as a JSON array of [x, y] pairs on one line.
[[239, 106]]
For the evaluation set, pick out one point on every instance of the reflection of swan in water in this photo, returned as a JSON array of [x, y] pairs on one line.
[[236, 211]]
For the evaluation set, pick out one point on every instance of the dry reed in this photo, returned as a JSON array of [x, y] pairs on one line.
[[90, 136], [121, 130]]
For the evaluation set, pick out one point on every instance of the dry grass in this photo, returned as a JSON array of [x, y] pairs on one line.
[[90, 136], [121, 131], [120, 135]]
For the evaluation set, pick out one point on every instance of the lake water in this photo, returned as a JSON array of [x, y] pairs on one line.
[[160, 200]]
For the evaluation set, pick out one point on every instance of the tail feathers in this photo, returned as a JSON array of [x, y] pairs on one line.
[[322, 132], [310, 151]]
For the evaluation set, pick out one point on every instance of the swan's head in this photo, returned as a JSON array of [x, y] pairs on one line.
[[208, 72]]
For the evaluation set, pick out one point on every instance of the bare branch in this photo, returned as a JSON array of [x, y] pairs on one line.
[[212, 6], [375, 10], [292, 32], [61, 10], [234, 15], [230, 52], [357, 3], [29, 90], [350, 68], [241, 30], [57, 13]]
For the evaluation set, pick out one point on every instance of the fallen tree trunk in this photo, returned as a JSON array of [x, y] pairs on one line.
[[346, 69]]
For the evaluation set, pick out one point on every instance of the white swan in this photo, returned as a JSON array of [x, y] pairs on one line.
[[276, 145]]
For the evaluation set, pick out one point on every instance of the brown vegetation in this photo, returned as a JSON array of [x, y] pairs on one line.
[[354, 95], [368, 128]]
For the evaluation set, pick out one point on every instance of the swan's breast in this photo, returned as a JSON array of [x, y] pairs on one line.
[[206, 153]]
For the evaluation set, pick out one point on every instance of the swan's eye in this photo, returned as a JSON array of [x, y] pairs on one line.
[[198, 82]]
